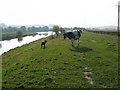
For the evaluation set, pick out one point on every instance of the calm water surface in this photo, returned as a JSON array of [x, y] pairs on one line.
[[6, 45]]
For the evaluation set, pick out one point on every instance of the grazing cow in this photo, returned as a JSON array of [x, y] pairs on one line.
[[43, 43], [73, 36]]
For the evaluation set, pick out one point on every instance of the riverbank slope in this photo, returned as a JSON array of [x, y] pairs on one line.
[[93, 64]]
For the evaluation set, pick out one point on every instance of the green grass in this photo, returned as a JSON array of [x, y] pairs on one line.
[[60, 65]]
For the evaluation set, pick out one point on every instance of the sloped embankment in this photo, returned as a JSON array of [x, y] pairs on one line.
[[93, 64]]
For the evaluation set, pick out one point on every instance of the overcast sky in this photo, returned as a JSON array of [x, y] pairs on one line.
[[66, 13]]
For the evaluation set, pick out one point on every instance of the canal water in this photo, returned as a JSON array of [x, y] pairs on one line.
[[6, 45]]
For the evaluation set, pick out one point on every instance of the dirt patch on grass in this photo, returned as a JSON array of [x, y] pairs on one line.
[[87, 40], [88, 75]]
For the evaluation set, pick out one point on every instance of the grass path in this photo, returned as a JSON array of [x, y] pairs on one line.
[[93, 64]]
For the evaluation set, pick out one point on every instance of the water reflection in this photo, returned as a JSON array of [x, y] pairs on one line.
[[33, 35], [0, 45], [6, 45], [20, 39]]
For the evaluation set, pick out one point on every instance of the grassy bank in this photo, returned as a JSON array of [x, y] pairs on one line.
[[11, 35], [93, 64]]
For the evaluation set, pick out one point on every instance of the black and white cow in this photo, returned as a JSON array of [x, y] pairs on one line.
[[73, 36]]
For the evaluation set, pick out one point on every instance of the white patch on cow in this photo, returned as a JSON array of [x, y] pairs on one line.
[[76, 34], [72, 40], [78, 40]]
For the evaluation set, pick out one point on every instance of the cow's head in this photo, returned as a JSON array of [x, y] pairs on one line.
[[80, 31], [45, 41]]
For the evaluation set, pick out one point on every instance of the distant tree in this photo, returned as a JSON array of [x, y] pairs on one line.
[[45, 28], [29, 29], [62, 30], [23, 28], [14, 29], [9, 28], [19, 34], [56, 29], [33, 28]]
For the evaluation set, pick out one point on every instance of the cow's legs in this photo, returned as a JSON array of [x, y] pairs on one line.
[[41, 45], [44, 45], [72, 42]]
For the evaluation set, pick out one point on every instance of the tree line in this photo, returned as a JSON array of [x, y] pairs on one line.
[[58, 29], [24, 29], [105, 32], [9, 32]]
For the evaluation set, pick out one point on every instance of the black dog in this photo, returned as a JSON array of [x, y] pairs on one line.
[[43, 43]]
